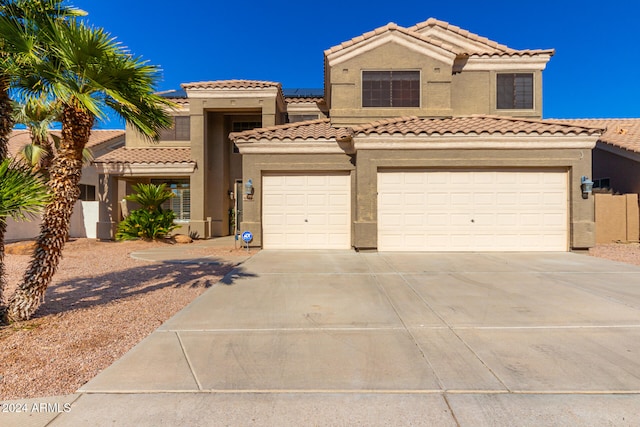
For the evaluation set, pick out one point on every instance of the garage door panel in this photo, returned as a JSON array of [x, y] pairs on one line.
[[311, 211], [472, 210]]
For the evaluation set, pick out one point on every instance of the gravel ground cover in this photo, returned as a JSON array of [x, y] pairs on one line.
[[101, 303]]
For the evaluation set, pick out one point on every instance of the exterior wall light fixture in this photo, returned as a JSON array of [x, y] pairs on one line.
[[586, 185], [248, 189]]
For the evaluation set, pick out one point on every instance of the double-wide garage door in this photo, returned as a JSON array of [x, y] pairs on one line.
[[306, 211], [472, 211]]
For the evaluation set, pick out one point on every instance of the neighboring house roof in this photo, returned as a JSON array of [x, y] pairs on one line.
[[621, 133], [19, 138], [147, 155], [469, 125], [231, 84]]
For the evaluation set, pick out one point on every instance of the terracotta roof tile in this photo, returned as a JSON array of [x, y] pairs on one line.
[[302, 100], [147, 155], [389, 27], [19, 138], [622, 133], [492, 47], [471, 125], [231, 84], [308, 130]]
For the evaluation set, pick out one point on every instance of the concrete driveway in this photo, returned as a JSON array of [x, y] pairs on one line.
[[345, 338]]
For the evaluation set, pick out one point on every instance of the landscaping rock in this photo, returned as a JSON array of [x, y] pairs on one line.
[[20, 248], [181, 238]]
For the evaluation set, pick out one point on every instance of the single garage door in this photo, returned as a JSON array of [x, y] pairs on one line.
[[472, 211], [311, 211]]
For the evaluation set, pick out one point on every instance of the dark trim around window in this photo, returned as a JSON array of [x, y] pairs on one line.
[[391, 89], [515, 91], [179, 131]]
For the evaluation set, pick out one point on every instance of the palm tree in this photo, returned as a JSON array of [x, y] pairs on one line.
[[19, 18], [22, 194], [85, 70], [38, 116]]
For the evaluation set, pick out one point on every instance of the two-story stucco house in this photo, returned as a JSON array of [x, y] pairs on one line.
[[428, 138]]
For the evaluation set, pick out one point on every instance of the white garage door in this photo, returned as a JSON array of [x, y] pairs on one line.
[[306, 211], [472, 211]]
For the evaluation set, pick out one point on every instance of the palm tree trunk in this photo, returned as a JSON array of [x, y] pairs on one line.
[[6, 126], [63, 183]]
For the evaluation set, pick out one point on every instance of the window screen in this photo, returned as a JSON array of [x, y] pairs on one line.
[[390, 88]]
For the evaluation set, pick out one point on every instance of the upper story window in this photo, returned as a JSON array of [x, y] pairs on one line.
[[179, 131], [241, 126], [515, 91], [391, 88]]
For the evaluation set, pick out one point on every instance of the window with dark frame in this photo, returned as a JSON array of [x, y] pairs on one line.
[[87, 192], [242, 126], [179, 131], [391, 88], [515, 91], [180, 203]]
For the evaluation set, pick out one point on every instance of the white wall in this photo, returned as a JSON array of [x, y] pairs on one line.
[[84, 219]]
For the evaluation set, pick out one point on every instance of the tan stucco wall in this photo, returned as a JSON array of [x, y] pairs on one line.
[[364, 193], [623, 172], [474, 92], [256, 165], [345, 84], [443, 92], [136, 139], [218, 167], [617, 218]]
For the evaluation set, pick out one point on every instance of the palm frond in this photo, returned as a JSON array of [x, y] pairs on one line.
[[22, 192]]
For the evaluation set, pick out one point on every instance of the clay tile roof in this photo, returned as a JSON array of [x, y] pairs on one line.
[[316, 100], [147, 155], [471, 125], [622, 133], [231, 84], [308, 130], [389, 27], [491, 47], [19, 138]]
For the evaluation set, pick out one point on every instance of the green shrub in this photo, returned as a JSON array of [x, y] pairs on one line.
[[150, 221]]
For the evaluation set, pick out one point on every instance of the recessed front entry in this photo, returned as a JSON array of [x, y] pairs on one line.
[[472, 211], [306, 211]]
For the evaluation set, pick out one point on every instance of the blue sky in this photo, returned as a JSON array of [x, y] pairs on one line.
[[593, 74]]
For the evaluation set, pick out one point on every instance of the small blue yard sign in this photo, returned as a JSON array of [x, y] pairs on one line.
[[247, 236]]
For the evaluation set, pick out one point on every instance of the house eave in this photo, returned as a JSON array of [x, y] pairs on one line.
[[618, 151], [473, 142], [508, 63], [145, 169], [319, 146], [412, 43]]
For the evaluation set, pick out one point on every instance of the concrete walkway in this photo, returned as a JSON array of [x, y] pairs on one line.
[[345, 338]]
